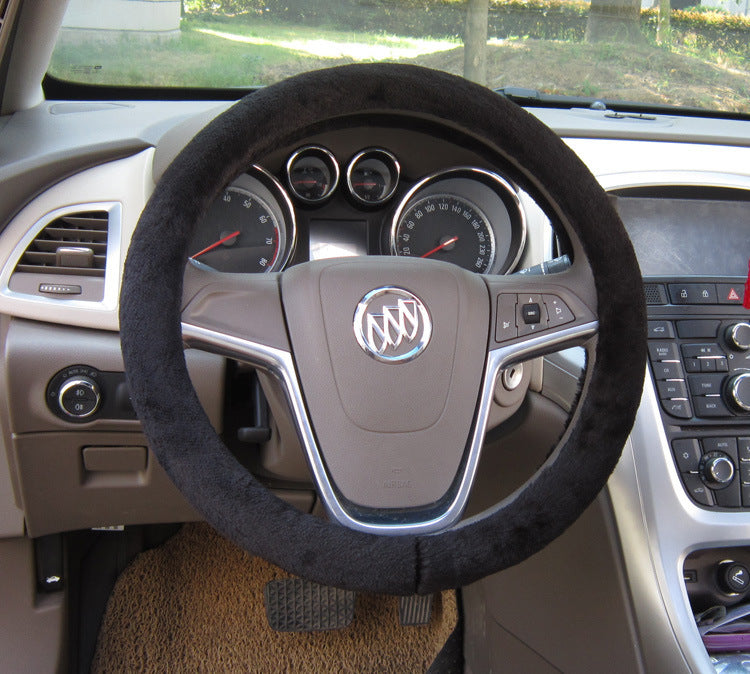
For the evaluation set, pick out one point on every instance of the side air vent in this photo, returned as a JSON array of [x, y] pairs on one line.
[[73, 244]]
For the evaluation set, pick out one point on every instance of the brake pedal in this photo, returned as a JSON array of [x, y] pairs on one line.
[[298, 605], [416, 609]]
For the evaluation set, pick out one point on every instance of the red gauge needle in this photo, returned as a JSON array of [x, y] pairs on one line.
[[453, 239], [216, 243]]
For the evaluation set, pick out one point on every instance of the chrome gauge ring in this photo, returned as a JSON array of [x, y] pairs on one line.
[[468, 216]]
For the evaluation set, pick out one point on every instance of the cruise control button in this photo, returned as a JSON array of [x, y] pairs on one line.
[[687, 454], [672, 389], [705, 384], [677, 408], [699, 491], [667, 371], [558, 313], [663, 351]]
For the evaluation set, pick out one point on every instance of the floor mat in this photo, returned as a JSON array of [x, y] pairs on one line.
[[195, 604]]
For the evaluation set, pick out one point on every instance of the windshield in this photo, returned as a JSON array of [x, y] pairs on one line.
[[629, 50]]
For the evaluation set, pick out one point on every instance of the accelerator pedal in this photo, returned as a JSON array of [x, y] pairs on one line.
[[415, 609], [298, 605]]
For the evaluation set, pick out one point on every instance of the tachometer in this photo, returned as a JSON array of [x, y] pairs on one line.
[[248, 228], [446, 227]]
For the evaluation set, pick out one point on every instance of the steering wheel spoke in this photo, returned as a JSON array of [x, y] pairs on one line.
[[238, 316]]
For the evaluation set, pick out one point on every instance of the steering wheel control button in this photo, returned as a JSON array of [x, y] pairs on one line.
[[734, 578], [505, 322], [738, 336], [698, 491], [531, 313], [687, 454], [558, 313], [693, 293], [392, 325]]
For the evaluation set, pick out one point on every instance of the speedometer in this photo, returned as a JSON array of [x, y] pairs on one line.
[[446, 227], [468, 216]]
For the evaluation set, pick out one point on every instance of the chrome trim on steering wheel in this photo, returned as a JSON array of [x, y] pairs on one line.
[[280, 364]]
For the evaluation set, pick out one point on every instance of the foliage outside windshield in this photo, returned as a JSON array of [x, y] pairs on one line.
[[633, 50]]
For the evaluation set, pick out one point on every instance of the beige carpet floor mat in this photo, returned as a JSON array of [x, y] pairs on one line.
[[195, 604]]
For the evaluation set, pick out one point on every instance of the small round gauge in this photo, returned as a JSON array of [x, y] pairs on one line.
[[372, 176], [313, 174], [446, 227], [246, 229], [468, 216]]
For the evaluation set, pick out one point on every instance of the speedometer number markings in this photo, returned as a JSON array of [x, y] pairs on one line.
[[446, 227]]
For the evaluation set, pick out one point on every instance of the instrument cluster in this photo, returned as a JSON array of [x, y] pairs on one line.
[[318, 208]]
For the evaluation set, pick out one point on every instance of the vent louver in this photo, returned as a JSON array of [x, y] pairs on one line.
[[71, 244]]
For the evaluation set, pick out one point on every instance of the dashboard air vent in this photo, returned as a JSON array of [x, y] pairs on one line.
[[75, 243]]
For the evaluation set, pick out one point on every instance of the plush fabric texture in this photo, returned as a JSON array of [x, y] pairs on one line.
[[219, 487]]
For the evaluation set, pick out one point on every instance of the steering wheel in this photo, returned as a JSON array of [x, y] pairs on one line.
[[387, 364]]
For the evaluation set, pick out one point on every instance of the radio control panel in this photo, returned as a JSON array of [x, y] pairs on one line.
[[699, 354]]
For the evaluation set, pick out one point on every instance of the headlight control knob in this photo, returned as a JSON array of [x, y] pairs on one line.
[[717, 470], [737, 392], [738, 336], [79, 397], [75, 393]]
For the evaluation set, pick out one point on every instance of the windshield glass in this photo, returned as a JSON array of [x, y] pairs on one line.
[[630, 50]]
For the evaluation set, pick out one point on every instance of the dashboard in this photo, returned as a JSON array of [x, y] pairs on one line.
[[83, 172]]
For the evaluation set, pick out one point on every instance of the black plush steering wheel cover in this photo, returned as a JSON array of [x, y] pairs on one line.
[[225, 493]]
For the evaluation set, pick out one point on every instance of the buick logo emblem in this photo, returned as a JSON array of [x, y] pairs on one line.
[[392, 325]]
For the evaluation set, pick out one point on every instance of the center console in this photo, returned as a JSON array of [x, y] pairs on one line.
[[699, 352]]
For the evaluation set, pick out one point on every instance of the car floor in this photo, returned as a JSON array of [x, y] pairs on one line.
[[195, 603]]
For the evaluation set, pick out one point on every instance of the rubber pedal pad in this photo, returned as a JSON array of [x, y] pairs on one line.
[[298, 605], [415, 609]]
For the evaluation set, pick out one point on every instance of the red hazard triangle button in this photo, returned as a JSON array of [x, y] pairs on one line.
[[729, 293]]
